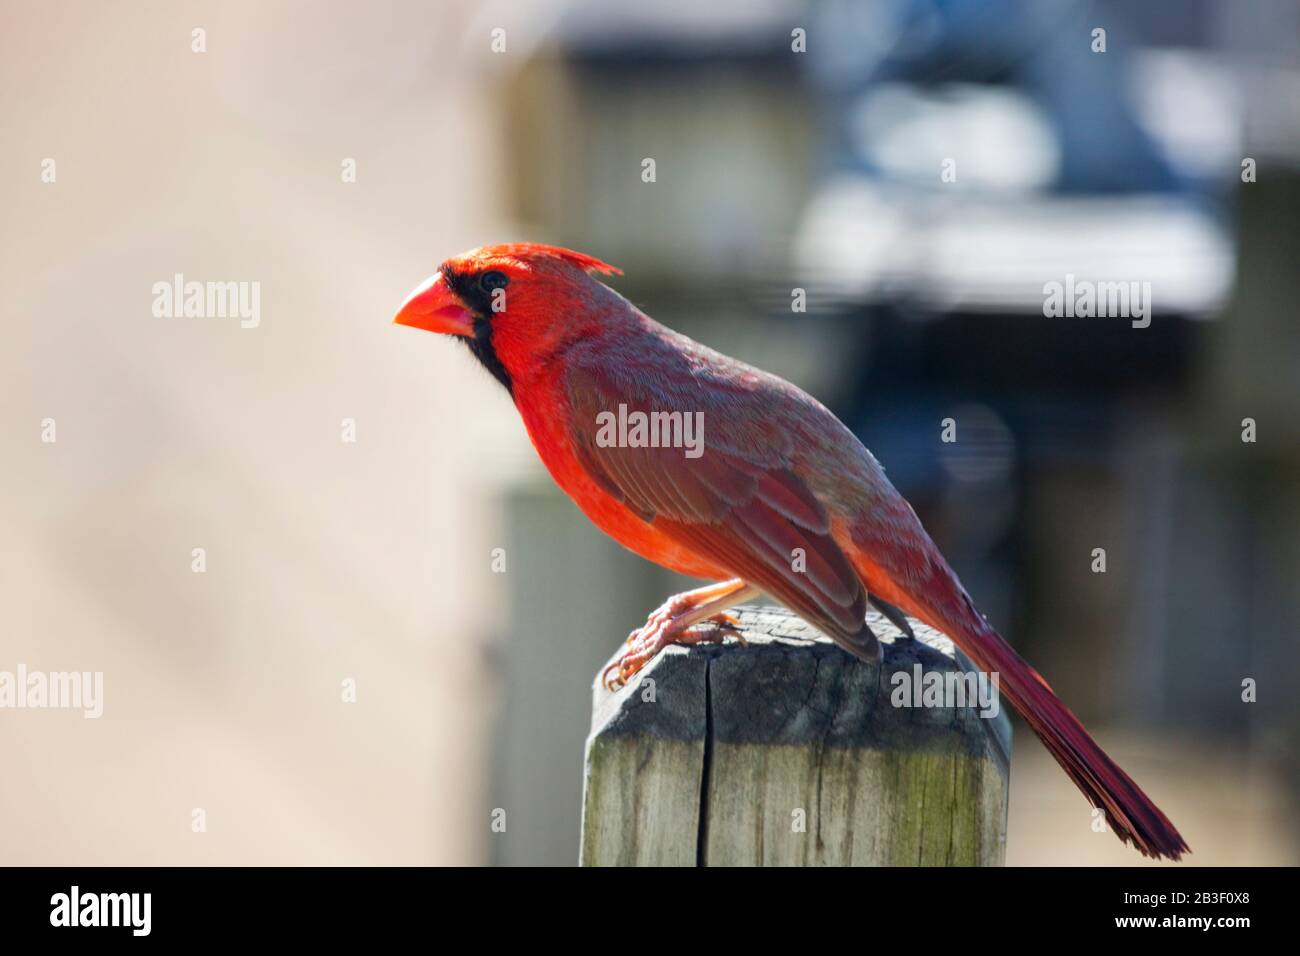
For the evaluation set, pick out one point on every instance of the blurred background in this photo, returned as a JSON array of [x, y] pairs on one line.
[[920, 168]]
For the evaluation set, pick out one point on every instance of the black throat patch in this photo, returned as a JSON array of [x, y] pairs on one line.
[[479, 302]]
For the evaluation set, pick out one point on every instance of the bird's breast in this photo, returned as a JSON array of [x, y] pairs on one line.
[[547, 417]]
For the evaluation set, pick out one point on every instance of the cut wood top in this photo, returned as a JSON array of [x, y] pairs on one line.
[[792, 686]]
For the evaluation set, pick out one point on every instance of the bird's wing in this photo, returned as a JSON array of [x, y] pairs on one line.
[[738, 504]]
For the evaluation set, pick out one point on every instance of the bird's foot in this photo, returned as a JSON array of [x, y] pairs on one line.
[[693, 617], [645, 644], [896, 618]]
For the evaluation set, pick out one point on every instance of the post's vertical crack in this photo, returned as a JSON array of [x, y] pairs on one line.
[[702, 832]]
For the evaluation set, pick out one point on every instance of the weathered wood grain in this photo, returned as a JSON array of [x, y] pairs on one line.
[[789, 752]]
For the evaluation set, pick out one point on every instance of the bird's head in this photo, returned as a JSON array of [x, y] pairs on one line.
[[513, 304]]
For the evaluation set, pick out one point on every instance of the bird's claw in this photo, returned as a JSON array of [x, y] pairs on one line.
[[659, 632], [727, 623]]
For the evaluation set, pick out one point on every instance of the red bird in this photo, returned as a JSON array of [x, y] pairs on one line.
[[779, 478]]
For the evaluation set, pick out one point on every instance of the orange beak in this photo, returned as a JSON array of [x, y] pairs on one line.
[[435, 308]]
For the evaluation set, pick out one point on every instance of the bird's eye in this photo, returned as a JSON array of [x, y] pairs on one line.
[[489, 281]]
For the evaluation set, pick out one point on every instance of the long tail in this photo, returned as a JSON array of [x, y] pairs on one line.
[[944, 605], [1129, 812]]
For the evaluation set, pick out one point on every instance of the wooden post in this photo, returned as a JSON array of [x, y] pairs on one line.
[[790, 752]]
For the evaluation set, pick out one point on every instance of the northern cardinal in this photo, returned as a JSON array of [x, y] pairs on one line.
[[781, 498]]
